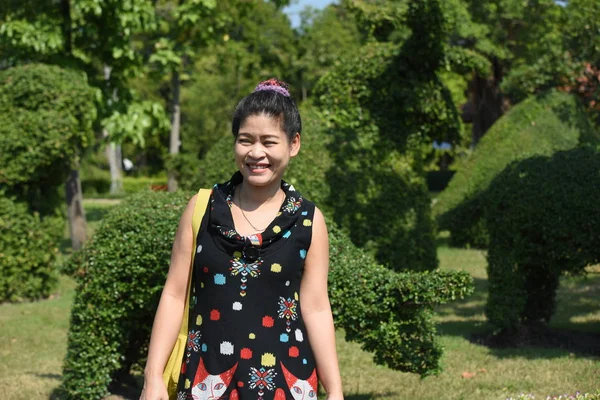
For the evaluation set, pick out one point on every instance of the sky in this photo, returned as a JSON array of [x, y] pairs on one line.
[[293, 11]]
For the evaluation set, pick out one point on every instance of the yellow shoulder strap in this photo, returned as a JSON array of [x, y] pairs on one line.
[[201, 204]]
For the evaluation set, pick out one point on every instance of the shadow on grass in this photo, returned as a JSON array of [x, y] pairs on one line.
[[562, 338], [58, 377], [534, 342]]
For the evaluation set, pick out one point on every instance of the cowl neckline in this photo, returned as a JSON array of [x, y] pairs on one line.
[[252, 246]]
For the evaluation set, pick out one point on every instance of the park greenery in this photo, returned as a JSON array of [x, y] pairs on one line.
[[541, 125], [504, 95]]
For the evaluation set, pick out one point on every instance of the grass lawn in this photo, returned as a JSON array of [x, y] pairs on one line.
[[33, 344]]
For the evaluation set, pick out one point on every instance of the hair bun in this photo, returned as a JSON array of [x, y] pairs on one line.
[[274, 85]]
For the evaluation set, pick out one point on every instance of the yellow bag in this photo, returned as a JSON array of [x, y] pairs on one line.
[[172, 369]]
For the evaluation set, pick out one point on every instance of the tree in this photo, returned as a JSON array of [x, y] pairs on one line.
[[326, 38], [384, 107], [572, 66], [26, 34], [508, 34], [95, 37], [183, 28], [47, 114]]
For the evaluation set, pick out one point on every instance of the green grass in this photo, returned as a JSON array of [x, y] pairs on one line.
[[33, 339], [33, 345]]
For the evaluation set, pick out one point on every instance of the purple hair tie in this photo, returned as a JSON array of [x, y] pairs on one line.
[[266, 86]]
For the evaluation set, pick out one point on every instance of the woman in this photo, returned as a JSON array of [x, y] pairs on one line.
[[260, 321]]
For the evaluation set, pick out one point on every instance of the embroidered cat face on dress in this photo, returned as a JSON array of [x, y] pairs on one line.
[[211, 387], [301, 389]]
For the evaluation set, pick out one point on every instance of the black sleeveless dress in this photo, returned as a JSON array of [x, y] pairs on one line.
[[246, 337]]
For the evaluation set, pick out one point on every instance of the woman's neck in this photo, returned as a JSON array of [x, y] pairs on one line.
[[255, 196]]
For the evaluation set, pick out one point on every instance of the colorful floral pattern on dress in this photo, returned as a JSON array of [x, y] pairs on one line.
[[287, 310], [240, 267], [292, 205], [262, 379], [193, 342]]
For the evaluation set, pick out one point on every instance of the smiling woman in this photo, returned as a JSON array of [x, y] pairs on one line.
[[260, 323]]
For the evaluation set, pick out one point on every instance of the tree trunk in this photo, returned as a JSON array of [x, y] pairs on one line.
[[116, 181], [65, 6], [75, 212], [487, 103], [175, 142], [112, 153]]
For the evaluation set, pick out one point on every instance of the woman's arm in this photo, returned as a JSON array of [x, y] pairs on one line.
[[167, 320], [316, 310]]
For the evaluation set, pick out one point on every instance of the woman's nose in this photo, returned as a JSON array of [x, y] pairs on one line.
[[257, 151]]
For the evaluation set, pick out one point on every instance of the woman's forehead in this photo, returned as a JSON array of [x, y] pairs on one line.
[[261, 125]]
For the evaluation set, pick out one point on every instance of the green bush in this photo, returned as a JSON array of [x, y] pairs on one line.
[[543, 217], [121, 272], [122, 269], [28, 249], [46, 115], [383, 109], [540, 125], [390, 313], [378, 189]]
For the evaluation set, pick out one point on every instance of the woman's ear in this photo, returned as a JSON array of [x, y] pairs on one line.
[[295, 145]]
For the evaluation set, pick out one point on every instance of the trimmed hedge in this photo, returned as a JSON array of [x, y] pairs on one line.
[[46, 116], [540, 125], [381, 114], [28, 249], [390, 313], [543, 217], [122, 270]]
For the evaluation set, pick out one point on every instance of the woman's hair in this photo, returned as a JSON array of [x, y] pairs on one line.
[[271, 98]]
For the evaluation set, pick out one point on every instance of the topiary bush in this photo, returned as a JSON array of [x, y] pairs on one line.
[[543, 217], [390, 313], [28, 249], [46, 116], [382, 109], [540, 125], [122, 270]]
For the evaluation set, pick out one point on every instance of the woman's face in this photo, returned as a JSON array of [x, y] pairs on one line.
[[263, 151]]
